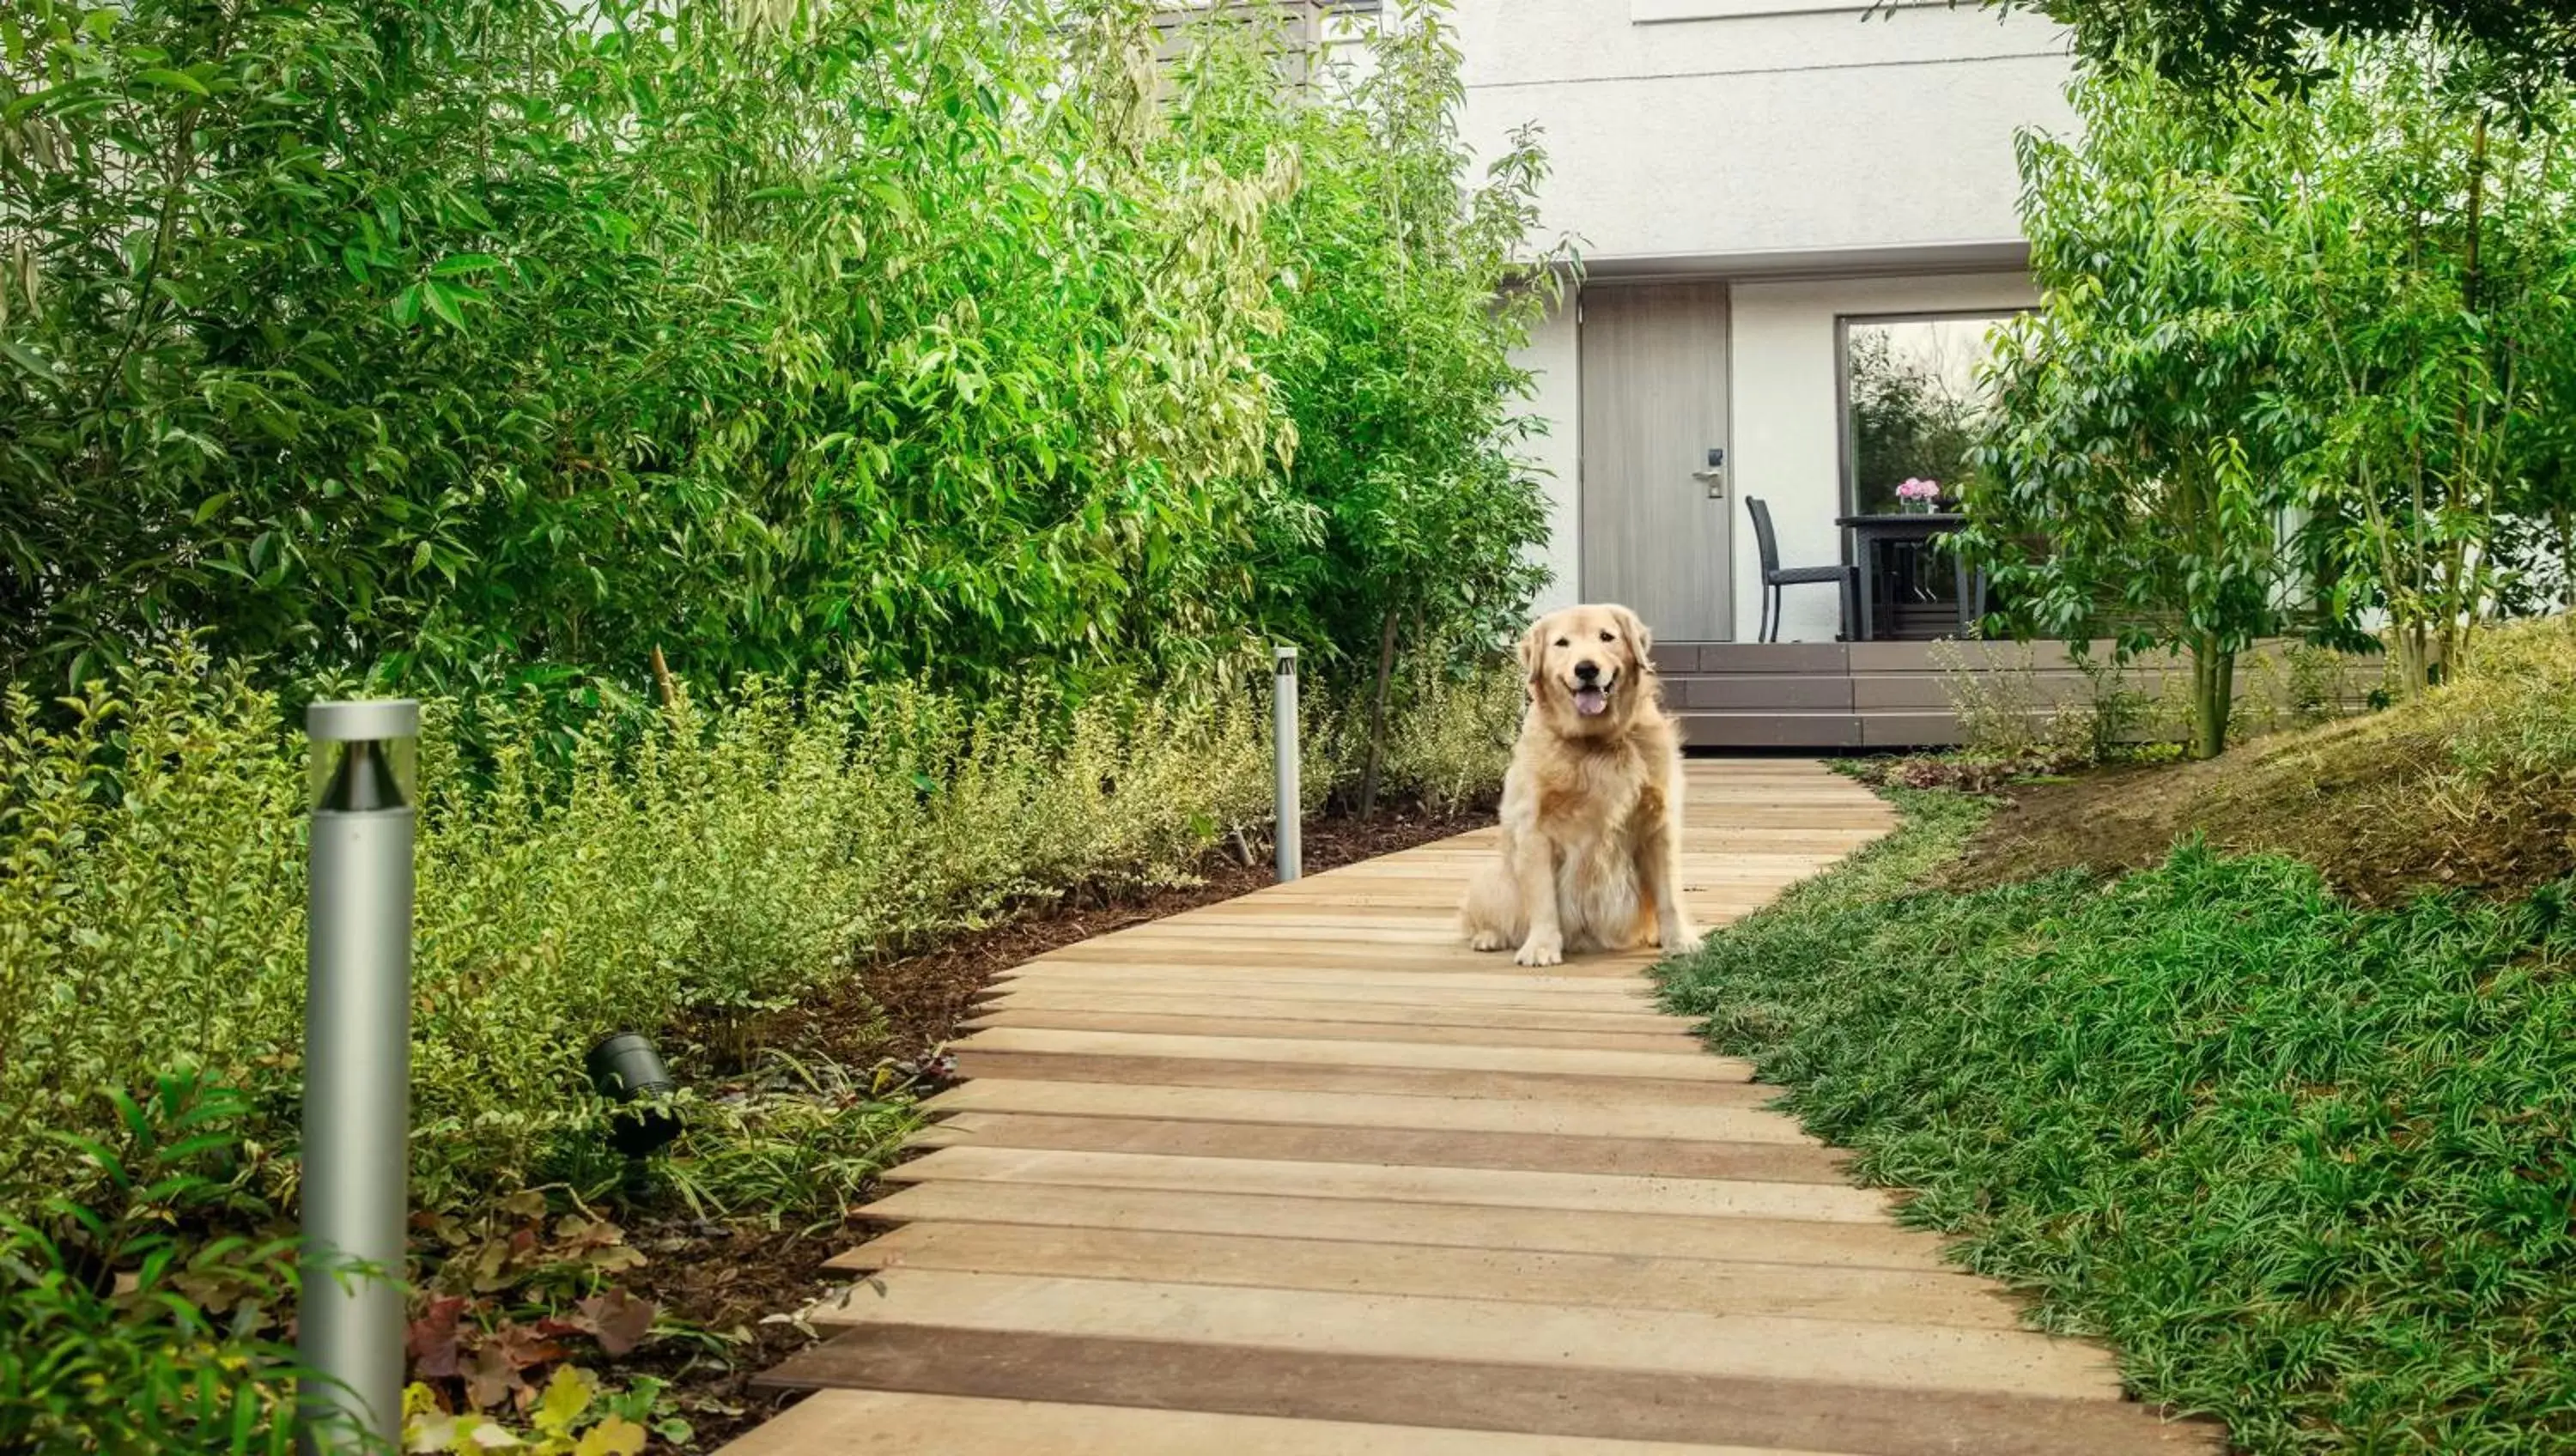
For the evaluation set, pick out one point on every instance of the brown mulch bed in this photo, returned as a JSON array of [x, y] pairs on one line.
[[2107, 820], [731, 1279]]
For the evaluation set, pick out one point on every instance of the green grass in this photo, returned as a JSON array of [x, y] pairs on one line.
[[2304, 1164]]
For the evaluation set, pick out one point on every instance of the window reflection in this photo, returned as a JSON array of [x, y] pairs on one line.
[[1912, 405]]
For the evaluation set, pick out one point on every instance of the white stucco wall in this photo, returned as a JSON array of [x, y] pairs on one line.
[[1745, 133], [1788, 420]]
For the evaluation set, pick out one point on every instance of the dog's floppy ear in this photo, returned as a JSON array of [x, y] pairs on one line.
[[1641, 642], [1534, 650]]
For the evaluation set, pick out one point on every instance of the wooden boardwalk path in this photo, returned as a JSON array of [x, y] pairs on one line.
[[1298, 1173]]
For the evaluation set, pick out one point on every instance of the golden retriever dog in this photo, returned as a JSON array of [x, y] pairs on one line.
[[1592, 804]]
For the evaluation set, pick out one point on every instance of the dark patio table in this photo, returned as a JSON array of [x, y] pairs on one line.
[[1873, 531]]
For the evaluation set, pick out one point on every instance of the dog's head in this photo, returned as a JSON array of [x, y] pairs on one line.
[[1590, 672]]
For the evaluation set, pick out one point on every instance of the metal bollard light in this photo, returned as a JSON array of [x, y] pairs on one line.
[[1283, 702], [363, 782]]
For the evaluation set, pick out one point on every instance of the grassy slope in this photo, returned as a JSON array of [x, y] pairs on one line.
[[2469, 787], [2303, 1163]]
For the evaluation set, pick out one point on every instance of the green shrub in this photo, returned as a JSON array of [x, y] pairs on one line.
[[151, 879], [738, 853], [123, 1326], [2304, 1164]]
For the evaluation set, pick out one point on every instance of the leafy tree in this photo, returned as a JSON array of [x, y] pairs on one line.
[[514, 339], [2417, 251], [1408, 518], [2215, 43], [2132, 476]]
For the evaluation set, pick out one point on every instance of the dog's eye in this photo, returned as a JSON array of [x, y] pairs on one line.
[[1609, 636], [1564, 641]]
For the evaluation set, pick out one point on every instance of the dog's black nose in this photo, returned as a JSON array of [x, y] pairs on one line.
[[1587, 671]]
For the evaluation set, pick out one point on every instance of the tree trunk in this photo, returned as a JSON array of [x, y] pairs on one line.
[[663, 686], [2213, 693], [1377, 713]]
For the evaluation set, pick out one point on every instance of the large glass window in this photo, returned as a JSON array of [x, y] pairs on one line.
[[1912, 402]]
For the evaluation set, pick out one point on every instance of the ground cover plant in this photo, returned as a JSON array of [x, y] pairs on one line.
[[2303, 1164], [2299, 1158]]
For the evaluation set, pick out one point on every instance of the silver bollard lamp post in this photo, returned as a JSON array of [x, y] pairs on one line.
[[1291, 801], [363, 780]]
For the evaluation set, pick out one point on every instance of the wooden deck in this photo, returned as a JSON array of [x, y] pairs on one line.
[[1298, 1174], [1878, 696]]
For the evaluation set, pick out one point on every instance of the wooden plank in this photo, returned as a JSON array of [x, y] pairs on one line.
[[1606, 1193], [1762, 692], [1901, 1357], [1158, 984], [1670, 1041], [1774, 1241], [1519, 1276], [1620, 1118], [1806, 1416], [1301, 1077], [1598, 979], [1761, 1162], [1809, 659], [1392, 1009], [1702, 729], [1330, 1020], [1322, 1052], [884, 1423]]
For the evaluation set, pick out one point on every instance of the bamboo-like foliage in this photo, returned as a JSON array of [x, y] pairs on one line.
[[509, 338]]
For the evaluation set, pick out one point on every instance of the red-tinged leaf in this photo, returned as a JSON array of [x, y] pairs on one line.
[[525, 1345], [432, 1339], [491, 1379], [617, 1319]]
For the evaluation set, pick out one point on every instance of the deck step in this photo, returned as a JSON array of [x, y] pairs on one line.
[[1521, 1276], [1408, 1147], [1542, 1337], [882, 1423]]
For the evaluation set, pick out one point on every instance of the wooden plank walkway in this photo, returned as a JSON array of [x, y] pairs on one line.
[[1298, 1173]]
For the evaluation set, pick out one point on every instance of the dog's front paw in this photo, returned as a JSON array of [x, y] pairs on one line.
[[1677, 935], [1542, 950], [1490, 940]]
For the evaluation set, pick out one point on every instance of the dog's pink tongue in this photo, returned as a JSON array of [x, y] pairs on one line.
[[1591, 702]]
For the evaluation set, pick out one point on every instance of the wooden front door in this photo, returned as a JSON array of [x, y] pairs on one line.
[[1658, 521]]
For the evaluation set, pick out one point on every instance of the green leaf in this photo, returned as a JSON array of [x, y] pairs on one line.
[[168, 79], [442, 302]]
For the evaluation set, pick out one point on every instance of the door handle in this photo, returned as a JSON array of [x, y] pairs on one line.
[[1714, 477]]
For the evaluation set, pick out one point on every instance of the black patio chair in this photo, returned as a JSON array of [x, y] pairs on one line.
[[1774, 578]]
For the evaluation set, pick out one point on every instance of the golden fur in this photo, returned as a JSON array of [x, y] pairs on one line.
[[1592, 804]]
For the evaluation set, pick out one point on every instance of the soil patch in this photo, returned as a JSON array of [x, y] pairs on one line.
[[2106, 820], [2380, 806], [737, 1281]]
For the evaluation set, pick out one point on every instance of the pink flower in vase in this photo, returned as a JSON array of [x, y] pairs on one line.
[[1919, 494]]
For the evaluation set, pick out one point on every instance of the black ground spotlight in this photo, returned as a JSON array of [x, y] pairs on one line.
[[628, 1071]]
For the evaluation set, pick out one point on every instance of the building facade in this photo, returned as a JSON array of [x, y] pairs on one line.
[[1797, 220]]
